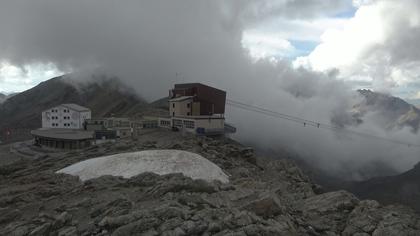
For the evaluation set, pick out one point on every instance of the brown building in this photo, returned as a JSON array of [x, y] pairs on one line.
[[196, 100], [196, 108]]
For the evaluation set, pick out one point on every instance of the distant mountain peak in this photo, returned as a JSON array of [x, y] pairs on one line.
[[391, 111]]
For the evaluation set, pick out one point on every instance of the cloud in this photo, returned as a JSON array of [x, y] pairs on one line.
[[380, 42], [14, 79], [147, 43], [266, 46]]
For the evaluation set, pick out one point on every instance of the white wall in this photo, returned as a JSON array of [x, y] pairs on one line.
[[207, 124], [180, 108], [63, 117], [210, 123]]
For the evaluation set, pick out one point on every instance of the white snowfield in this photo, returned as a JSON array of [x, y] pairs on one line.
[[157, 161]]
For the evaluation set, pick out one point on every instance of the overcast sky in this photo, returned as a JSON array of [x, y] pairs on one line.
[[372, 43]]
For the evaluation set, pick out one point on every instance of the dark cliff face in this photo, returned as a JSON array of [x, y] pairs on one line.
[[104, 96], [391, 112]]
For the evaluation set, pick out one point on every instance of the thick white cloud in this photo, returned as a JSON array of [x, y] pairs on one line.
[[16, 79], [380, 42], [266, 45]]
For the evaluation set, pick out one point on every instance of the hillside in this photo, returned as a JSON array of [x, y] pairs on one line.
[[2, 97], [390, 111], [403, 188], [104, 96], [263, 197], [160, 103]]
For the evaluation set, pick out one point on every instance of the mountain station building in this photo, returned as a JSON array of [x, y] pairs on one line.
[[63, 127], [65, 116], [196, 108]]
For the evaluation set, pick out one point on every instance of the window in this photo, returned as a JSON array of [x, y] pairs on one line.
[[189, 124], [173, 113], [165, 123], [178, 123], [188, 105], [188, 113], [173, 105]]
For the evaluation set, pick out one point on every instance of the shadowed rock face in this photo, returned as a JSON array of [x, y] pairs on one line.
[[271, 197]]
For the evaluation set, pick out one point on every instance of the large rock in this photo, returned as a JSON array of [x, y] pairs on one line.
[[266, 205], [328, 211]]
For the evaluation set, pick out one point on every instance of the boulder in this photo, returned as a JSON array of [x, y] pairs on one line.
[[267, 205], [328, 211]]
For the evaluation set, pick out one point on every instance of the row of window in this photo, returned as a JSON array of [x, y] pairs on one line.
[[178, 123], [189, 124], [188, 113], [56, 110], [56, 117], [165, 123], [186, 123], [56, 124], [188, 105]]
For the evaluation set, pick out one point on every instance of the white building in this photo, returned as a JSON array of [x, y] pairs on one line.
[[65, 116]]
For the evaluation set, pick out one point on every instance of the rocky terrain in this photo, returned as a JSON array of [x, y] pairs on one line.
[[264, 197]]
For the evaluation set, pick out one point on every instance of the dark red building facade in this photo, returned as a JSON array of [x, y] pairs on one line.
[[212, 100]]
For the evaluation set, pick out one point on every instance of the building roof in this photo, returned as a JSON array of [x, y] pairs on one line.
[[63, 134], [75, 107], [179, 99], [190, 85]]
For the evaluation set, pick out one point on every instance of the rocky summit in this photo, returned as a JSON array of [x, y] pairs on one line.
[[263, 197]]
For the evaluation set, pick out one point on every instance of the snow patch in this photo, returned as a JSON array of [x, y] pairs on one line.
[[160, 162]]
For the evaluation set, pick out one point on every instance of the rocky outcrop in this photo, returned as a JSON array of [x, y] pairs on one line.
[[267, 198]]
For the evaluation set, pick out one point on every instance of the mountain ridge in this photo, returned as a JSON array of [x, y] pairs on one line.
[[390, 112], [103, 95]]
